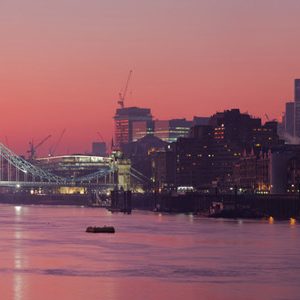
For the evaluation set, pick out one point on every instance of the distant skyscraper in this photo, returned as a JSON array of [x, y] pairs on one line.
[[141, 129], [124, 120], [99, 148], [289, 118], [297, 108], [297, 90]]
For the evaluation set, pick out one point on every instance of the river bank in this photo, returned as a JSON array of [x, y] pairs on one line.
[[234, 206]]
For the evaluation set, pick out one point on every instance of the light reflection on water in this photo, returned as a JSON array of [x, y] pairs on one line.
[[46, 254]]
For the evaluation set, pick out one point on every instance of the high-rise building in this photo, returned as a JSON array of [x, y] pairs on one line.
[[289, 118], [170, 130], [234, 126], [297, 108], [297, 90], [124, 120], [141, 129]]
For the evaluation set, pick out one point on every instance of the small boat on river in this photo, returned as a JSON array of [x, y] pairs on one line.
[[104, 229]]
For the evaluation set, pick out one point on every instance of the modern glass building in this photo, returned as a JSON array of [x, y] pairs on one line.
[[170, 130], [125, 118]]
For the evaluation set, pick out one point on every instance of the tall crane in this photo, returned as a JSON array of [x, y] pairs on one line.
[[268, 119], [100, 136], [33, 148], [122, 95], [54, 147]]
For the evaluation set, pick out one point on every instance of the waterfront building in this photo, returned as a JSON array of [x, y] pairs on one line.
[[163, 168], [233, 126], [207, 158], [194, 161], [285, 169], [265, 136], [252, 172]]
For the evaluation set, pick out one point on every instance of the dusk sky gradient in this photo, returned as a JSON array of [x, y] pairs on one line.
[[63, 63]]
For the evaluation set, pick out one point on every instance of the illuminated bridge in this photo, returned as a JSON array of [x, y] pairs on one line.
[[78, 171], [17, 172]]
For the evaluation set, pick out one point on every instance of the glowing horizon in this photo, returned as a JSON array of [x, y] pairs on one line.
[[64, 62]]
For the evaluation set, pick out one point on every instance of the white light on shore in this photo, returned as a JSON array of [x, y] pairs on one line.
[[18, 208]]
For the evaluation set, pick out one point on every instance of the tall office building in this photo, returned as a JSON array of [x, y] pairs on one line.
[[170, 130], [141, 129], [297, 108], [124, 123], [289, 119], [234, 126], [297, 90]]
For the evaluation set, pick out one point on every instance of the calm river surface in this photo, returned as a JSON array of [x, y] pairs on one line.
[[46, 254]]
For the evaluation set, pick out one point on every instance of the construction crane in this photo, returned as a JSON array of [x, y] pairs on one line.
[[123, 95], [100, 136], [268, 119], [33, 148], [54, 147]]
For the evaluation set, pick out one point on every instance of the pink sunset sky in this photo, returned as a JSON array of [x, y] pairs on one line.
[[63, 63]]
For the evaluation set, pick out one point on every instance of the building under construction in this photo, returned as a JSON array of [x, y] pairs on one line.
[[124, 122]]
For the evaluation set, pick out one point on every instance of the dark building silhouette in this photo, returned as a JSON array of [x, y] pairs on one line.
[[200, 121], [207, 158], [297, 108], [203, 132], [252, 172], [289, 118], [139, 153], [99, 148], [234, 127], [265, 137], [285, 169], [163, 168], [297, 90]]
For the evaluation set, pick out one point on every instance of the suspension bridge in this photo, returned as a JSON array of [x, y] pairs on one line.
[[17, 172]]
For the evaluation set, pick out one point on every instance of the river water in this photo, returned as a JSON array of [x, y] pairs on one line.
[[46, 254]]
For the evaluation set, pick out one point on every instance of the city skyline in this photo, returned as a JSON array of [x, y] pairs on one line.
[[149, 149], [64, 63]]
